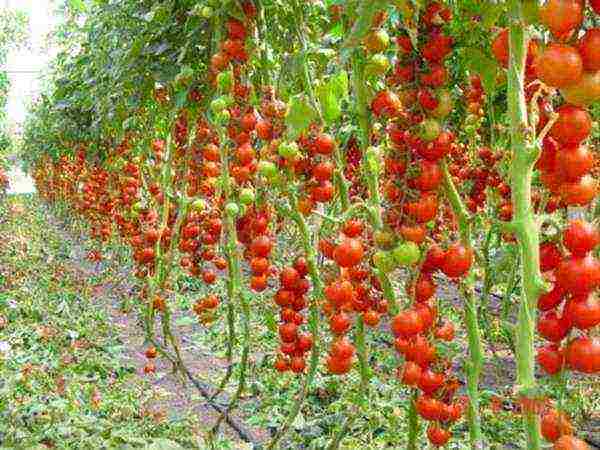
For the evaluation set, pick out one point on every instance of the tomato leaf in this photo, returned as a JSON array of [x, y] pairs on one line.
[[331, 94], [486, 67], [300, 115]]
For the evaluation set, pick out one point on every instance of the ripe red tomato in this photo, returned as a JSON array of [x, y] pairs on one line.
[[289, 277], [578, 275], [348, 253], [371, 318], [457, 261], [559, 65], [281, 364], [445, 332], [552, 327], [429, 178], [424, 288], [434, 258], [323, 171], [407, 323], [429, 408], [562, 16], [297, 364], [338, 366], [339, 323], [342, 348], [574, 162], [261, 246], [550, 358], [324, 144], [583, 312], [550, 256], [430, 381], [580, 237], [427, 314], [573, 125], [288, 332], [438, 436], [583, 354], [589, 49], [551, 299], [580, 192], [555, 424], [304, 342], [259, 265], [411, 373]]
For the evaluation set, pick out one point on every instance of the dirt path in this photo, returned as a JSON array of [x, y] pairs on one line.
[[110, 287], [178, 395]]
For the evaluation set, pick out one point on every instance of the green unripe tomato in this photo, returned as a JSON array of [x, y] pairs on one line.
[[288, 150], [225, 81], [384, 261], [406, 254], [137, 207], [218, 105], [384, 239], [198, 205], [377, 41], [446, 103], [232, 209], [223, 117], [430, 129], [267, 169], [378, 64], [247, 196]]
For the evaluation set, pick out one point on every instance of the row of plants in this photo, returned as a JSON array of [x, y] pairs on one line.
[[13, 34], [400, 153]]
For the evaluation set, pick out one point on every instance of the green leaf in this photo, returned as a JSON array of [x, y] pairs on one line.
[[490, 14], [181, 98], [531, 11], [77, 5], [486, 67], [300, 115], [331, 94]]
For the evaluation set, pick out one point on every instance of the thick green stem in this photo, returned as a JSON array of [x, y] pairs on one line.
[[524, 155], [475, 363], [413, 423]]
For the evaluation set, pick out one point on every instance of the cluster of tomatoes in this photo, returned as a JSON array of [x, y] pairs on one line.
[[291, 299], [416, 133], [150, 355], [576, 277], [349, 292], [317, 167], [253, 231], [415, 330], [476, 165]]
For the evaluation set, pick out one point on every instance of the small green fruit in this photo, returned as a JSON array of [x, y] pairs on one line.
[[247, 196], [406, 254], [384, 261], [198, 205], [288, 150], [232, 209]]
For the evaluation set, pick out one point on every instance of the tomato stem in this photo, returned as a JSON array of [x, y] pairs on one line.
[[474, 364], [524, 154]]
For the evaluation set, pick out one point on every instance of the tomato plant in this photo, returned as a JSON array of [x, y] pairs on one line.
[[325, 171]]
